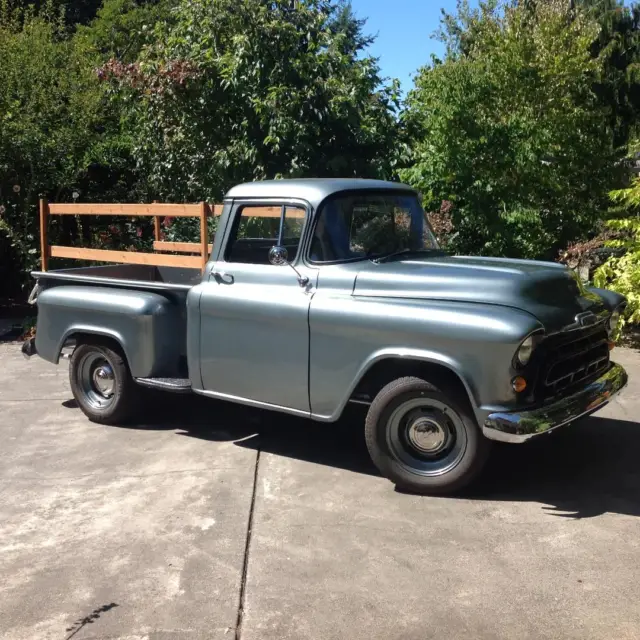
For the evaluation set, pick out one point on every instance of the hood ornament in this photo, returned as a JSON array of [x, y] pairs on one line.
[[586, 319], [582, 320]]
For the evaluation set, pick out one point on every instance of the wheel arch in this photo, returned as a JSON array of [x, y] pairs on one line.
[[81, 333], [388, 364]]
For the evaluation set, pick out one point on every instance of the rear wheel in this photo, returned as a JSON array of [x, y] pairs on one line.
[[424, 440], [102, 384]]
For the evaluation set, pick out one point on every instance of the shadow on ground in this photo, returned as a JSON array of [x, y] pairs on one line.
[[581, 471], [80, 623]]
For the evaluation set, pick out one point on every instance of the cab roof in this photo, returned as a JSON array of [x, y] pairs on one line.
[[313, 190]]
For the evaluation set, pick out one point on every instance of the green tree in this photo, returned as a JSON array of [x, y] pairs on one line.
[[509, 129], [235, 90], [617, 45], [49, 106], [58, 135], [74, 12], [122, 27]]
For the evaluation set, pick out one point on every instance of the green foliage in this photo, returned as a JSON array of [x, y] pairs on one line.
[[58, 135], [236, 90], [122, 27], [509, 129], [71, 12], [622, 273], [617, 45], [50, 106], [512, 138], [205, 94]]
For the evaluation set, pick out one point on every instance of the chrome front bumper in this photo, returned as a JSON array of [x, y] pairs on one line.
[[523, 425]]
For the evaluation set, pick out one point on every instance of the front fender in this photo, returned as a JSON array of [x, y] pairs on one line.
[[420, 355], [612, 300], [350, 334]]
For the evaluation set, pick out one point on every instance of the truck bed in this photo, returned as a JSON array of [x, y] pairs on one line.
[[143, 307], [131, 276]]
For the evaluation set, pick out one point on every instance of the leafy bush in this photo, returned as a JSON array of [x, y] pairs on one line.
[[622, 273], [59, 135], [49, 109]]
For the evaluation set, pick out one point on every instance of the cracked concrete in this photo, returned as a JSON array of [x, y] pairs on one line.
[[141, 532]]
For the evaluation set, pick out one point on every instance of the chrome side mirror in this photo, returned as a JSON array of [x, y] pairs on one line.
[[278, 256]]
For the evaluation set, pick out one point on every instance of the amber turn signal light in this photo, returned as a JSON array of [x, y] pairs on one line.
[[611, 344], [519, 384]]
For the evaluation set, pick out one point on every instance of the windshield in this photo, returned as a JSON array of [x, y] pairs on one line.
[[370, 225]]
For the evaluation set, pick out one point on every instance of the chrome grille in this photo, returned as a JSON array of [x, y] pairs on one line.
[[576, 358]]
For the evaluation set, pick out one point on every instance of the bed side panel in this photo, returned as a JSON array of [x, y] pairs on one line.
[[151, 328]]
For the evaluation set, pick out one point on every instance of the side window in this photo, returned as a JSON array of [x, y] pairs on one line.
[[257, 228]]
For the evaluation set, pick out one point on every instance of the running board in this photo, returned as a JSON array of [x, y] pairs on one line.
[[176, 385]]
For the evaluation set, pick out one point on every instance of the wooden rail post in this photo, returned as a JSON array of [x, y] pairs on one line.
[[204, 234], [156, 226], [44, 236]]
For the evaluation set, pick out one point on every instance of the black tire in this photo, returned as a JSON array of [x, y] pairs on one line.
[[107, 400], [423, 440]]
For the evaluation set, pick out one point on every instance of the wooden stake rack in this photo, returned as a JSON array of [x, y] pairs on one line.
[[202, 248]]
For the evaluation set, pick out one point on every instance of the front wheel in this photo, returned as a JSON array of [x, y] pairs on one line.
[[102, 384], [423, 440]]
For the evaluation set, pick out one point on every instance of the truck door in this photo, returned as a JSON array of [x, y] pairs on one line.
[[254, 315]]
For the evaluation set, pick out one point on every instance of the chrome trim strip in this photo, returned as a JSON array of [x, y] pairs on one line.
[[517, 427], [105, 281], [252, 403], [163, 384]]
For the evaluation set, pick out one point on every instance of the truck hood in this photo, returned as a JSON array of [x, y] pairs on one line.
[[549, 291]]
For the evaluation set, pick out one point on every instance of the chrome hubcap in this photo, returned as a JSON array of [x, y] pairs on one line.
[[97, 380], [426, 435], [104, 380]]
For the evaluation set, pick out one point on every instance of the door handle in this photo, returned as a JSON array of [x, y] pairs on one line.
[[223, 276]]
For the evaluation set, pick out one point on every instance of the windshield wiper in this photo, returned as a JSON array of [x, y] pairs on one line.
[[402, 252]]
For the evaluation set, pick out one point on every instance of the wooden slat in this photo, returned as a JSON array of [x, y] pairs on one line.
[[44, 235], [271, 212], [156, 225], [179, 247], [204, 235], [261, 212], [174, 210], [158, 210], [125, 257]]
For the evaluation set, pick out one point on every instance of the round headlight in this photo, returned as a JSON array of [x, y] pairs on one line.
[[614, 320], [523, 355]]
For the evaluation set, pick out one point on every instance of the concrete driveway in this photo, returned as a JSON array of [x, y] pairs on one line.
[[214, 521]]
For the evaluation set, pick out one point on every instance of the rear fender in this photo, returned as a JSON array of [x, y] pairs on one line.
[[150, 329]]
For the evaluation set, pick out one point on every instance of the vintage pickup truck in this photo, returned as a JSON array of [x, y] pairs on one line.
[[343, 296]]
